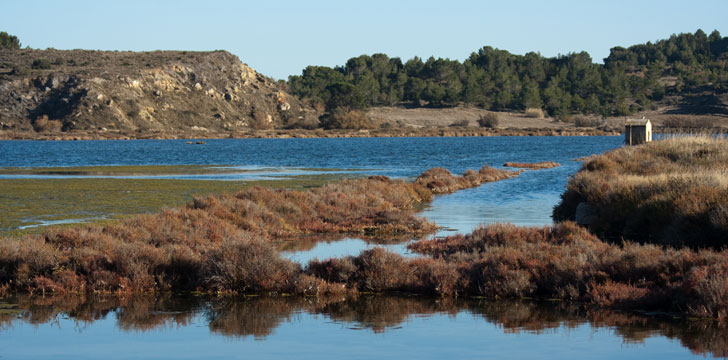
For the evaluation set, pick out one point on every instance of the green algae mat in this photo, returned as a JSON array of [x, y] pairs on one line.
[[33, 198]]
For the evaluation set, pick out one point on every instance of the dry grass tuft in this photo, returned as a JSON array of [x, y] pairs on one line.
[[534, 113], [43, 124]]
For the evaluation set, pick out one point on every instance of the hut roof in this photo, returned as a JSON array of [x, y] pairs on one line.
[[633, 122]]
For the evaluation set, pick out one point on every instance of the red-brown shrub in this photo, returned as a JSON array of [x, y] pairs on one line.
[[247, 264], [380, 270]]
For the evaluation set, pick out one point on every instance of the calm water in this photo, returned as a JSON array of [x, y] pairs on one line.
[[378, 326], [369, 327]]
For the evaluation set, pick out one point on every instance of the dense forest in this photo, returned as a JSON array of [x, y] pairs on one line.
[[631, 79]]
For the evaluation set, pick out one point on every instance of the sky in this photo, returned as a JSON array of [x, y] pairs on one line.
[[280, 38]]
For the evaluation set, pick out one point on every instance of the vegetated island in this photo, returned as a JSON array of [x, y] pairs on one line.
[[75, 94], [222, 244]]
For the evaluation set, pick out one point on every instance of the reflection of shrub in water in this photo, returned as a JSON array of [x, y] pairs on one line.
[[380, 313], [258, 317], [516, 316], [144, 313], [241, 317]]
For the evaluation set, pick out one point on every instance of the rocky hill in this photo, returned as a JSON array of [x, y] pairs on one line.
[[160, 92]]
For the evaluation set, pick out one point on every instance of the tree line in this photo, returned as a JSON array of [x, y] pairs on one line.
[[8, 41], [631, 79]]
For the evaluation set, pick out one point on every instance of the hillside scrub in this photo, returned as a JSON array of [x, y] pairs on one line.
[[671, 192], [217, 243]]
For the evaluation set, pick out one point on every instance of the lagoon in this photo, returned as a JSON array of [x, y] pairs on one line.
[[174, 326]]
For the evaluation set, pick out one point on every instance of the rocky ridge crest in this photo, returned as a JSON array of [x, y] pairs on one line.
[[143, 92]]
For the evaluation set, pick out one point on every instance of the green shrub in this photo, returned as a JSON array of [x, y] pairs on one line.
[[348, 119], [42, 64], [585, 121], [489, 120]]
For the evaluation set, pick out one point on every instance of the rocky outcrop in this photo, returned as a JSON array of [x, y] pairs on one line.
[[142, 92]]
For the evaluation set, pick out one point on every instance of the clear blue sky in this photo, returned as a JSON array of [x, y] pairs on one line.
[[280, 38]]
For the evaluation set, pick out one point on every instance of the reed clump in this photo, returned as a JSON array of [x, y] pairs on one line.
[[672, 192]]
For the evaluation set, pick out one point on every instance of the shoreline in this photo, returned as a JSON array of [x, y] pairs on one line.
[[318, 133]]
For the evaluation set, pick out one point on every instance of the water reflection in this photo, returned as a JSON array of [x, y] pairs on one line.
[[259, 317], [305, 249]]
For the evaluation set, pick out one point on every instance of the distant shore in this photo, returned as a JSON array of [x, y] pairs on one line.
[[299, 133], [415, 122]]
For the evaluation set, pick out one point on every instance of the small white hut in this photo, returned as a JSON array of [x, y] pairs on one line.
[[637, 131]]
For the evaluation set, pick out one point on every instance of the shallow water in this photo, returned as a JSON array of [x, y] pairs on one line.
[[371, 326], [368, 327]]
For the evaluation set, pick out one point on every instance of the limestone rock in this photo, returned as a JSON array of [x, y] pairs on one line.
[[164, 91]]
